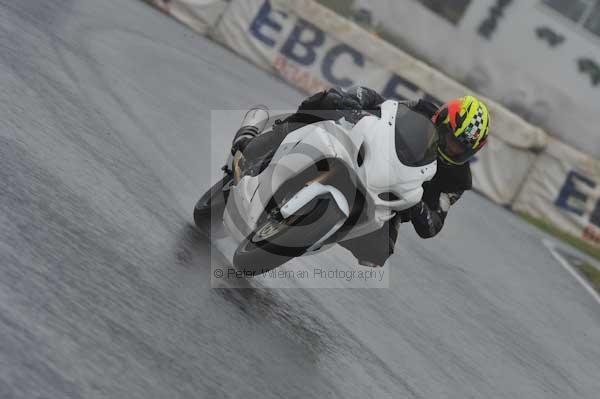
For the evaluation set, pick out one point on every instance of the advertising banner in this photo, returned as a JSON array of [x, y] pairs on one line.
[[563, 187]]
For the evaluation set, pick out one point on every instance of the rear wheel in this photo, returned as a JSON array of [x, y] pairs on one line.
[[277, 240]]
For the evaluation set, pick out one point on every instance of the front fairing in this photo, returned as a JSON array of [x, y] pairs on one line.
[[381, 172]]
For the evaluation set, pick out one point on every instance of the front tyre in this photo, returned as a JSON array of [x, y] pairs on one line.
[[209, 208], [277, 240]]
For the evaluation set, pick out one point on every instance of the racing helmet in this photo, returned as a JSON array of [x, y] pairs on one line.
[[462, 126]]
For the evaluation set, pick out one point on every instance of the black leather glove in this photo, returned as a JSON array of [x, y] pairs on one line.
[[416, 210], [331, 99], [352, 115], [348, 102]]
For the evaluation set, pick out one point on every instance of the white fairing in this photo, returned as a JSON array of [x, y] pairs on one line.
[[381, 171]]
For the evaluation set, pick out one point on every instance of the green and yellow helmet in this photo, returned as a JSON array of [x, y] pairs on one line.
[[463, 126]]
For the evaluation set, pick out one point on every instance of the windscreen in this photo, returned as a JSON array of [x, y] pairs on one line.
[[416, 138]]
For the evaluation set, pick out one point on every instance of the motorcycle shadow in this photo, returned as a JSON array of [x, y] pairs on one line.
[[281, 311]]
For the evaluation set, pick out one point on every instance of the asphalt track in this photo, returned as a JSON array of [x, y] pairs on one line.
[[105, 285]]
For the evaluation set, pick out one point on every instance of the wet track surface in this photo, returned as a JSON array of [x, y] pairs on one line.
[[105, 285]]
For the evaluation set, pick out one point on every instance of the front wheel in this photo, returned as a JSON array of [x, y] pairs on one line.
[[209, 208], [277, 240]]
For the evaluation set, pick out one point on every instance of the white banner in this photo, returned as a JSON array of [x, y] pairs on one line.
[[500, 170], [563, 187], [200, 15]]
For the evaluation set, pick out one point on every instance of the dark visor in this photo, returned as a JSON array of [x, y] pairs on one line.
[[454, 148]]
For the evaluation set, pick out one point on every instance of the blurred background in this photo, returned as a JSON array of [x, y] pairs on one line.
[[108, 138]]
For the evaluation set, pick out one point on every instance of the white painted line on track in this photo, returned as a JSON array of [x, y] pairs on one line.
[[551, 246]]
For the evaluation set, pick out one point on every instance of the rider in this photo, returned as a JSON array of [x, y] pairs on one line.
[[462, 125]]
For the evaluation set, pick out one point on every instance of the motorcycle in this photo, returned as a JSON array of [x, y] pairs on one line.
[[327, 182]]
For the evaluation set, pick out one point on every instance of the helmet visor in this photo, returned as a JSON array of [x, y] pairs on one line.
[[453, 148]]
